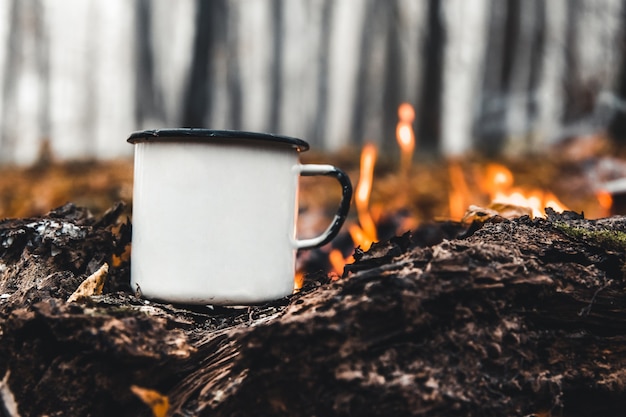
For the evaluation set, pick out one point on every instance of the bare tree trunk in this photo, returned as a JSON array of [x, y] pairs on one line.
[[501, 48], [319, 128], [210, 32], [536, 64], [430, 119], [148, 96], [8, 135], [577, 99], [363, 99], [392, 87], [233, 79], [277, 65], [617, 127]]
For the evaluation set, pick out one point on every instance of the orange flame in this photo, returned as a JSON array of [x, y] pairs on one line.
[[550, 200], [337, 262], [365, 233], [405, 136], [362, 195], [498, 184], [298, 281], [498, 178], [517, 197], [359, 237], [605, 200], [459, 194]]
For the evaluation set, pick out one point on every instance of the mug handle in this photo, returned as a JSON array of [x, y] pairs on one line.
[[309, 170]]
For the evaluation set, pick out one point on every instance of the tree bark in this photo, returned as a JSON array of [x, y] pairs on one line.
[[516, 317]]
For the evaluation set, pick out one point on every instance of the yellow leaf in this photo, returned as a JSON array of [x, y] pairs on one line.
[[158, 403], [91, 286]]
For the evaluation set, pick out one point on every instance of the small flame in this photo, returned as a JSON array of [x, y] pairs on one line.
[[531, 200], [550, 200], [498, 184], [362, 195], [405, 136], [359, 237], [337, 262], [365, 233], [298, 281], [459, 194], [605, 200], [498, 179]]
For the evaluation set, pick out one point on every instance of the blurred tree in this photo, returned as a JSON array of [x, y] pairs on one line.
[[617, 127], [210, 32], [430, 119], [148, 96], [23, 79]]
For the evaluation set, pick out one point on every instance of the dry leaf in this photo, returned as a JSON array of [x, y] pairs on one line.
[[503, 210], [91, 286], [158, 403]]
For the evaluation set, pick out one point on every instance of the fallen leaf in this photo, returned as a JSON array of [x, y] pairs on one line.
[[495, 210], [91, 286], [158, 403]]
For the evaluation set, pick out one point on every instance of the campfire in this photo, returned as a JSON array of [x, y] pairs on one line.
[[475, 192]]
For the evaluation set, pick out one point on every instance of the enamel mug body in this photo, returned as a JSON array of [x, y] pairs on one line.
[[214, 215]]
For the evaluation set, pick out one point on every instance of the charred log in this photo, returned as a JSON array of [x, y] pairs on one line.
[[517, 317]]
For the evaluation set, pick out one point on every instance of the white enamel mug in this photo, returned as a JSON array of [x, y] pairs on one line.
[[214, 215]]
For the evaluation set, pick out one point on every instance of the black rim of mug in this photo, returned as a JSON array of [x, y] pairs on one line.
[[210, 135]]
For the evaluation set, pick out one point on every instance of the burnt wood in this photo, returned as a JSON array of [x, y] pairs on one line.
[[520, 317]]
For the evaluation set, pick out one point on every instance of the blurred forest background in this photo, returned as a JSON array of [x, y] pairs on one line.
[[487, 78], [488, 75]]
